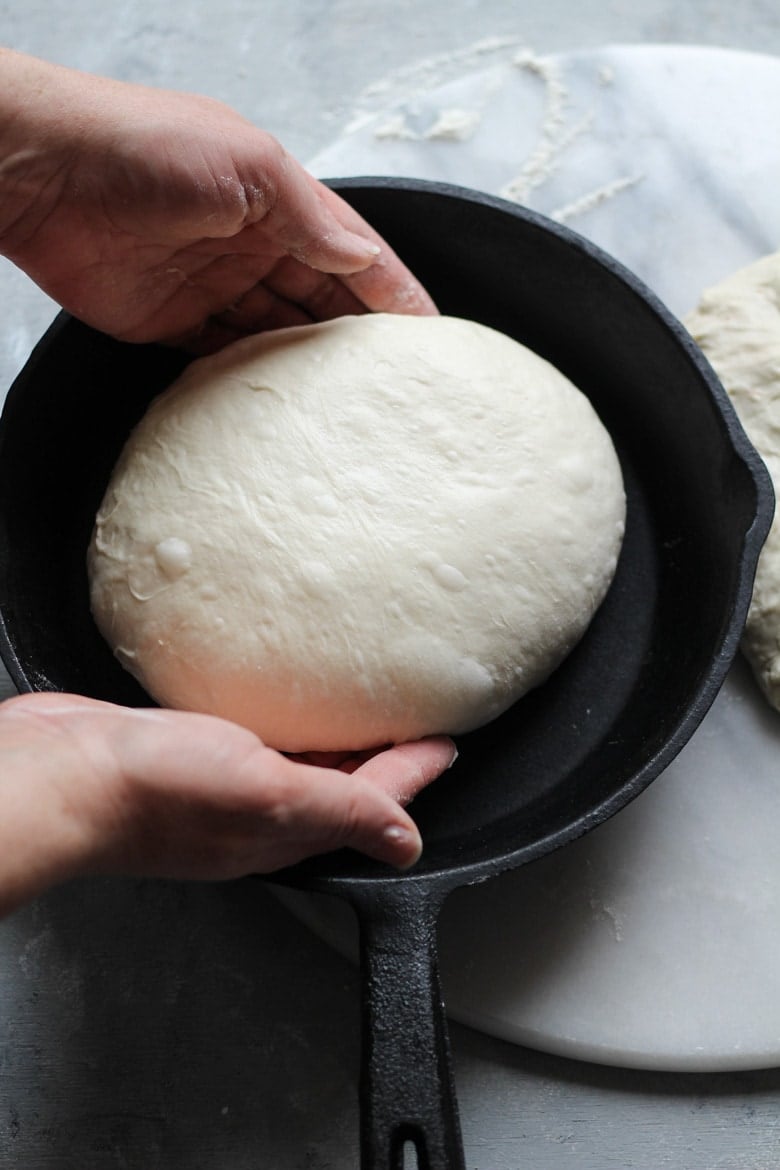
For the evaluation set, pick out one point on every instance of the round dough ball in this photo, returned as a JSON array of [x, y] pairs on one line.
[[358, 532]]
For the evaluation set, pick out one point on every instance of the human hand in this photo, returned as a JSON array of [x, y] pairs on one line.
[[89, 787], [159, 216]]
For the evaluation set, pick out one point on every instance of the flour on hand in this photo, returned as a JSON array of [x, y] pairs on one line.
[[358, 532]]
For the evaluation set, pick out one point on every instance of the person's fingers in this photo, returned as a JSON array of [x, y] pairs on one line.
[[299, 809], [319, 228], [290, 294], [324, 809], [257, 311], [298, 296], [387, 285], [330, 759], [175, 794], [298, 216], [321, 294], [56, 703], [400, 769], [405, 769]]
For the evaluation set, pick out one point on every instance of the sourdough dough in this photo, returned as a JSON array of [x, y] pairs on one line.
[[358, 532], [737, 325]]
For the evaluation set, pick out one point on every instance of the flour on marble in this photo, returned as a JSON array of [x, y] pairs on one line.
[[402, 107], [420, 77], [594, 198], [614, 918], [446, 123], [454, 125], [396, 127], [555, 133]]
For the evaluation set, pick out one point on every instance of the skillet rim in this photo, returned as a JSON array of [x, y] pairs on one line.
[[321, 873], [325, 873]]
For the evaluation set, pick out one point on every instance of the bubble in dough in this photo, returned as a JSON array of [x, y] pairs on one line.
[[357, 532], [737, 325]]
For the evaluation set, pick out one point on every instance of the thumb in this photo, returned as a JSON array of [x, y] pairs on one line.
[[318, 228], [330, 809], [301, 219]]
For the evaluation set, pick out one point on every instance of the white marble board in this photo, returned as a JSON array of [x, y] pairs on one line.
[[655, 941]]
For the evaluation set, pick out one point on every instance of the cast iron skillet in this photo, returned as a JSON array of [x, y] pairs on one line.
[[564, 758]]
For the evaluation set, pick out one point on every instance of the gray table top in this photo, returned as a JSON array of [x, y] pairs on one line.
[[195, 1027]]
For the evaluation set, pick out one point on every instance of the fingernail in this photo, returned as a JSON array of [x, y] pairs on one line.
[[404, 841], [368, 246]]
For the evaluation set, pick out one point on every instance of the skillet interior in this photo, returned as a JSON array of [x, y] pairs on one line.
[[634, 690]]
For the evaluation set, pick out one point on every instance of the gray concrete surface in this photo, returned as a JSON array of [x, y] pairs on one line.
[[150, 1025]]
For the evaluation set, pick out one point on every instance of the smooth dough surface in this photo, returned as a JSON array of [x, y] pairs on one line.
[[357, 532], [737, 325]]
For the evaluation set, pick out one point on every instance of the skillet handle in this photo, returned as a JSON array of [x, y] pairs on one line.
[[407, 1093]]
